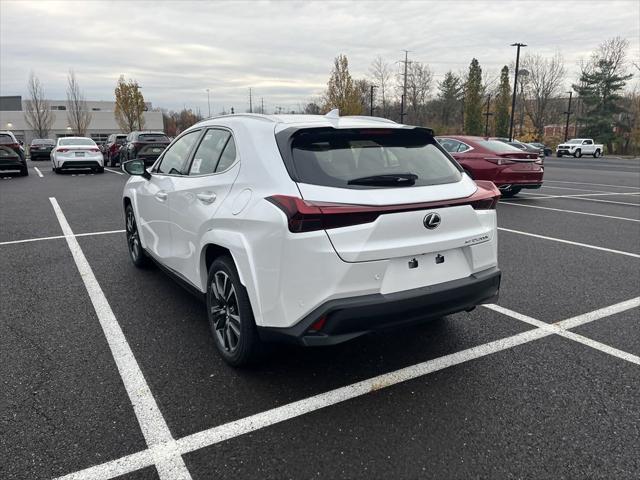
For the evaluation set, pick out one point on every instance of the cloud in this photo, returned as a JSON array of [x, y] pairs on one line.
[[282, 49]]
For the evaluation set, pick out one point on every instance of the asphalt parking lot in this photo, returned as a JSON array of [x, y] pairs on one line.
[[110, 372]]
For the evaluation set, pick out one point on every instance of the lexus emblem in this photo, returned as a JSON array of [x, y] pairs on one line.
[[431, 220]]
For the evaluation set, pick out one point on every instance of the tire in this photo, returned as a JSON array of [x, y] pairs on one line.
[[230, 315], [112, 161], [577, 153], [512, 192], [559, 155], [24, 172], [100, 170], [136, 252], [596, 154]]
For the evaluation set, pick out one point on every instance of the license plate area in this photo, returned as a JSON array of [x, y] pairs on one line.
[[417, 271], [79, 154]]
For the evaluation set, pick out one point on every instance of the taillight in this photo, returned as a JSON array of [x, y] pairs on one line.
[[499, 160], [94, 149], [62, 150], [305, 216], [13, 145]]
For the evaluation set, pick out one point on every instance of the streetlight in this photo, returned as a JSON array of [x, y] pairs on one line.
[[209, 102], [515, 86]]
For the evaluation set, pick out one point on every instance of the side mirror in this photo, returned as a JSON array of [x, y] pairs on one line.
[[136, 167]]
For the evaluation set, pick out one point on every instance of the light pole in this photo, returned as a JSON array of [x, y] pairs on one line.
[[568, 114], [209, 102], [515, 88], [487, 114]]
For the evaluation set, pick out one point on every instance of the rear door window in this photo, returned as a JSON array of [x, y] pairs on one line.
[[343, 158]]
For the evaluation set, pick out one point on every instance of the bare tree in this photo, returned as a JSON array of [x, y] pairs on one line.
[[546, 76], [77, 112], [38, 114], [381, 75], [419, 81]]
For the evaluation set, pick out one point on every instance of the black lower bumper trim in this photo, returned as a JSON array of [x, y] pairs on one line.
[[347, 318]]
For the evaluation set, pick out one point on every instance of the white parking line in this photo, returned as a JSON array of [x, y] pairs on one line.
[[280, 414], [152, 423], [38, 172], [28, 240], [576, 189], [593, 184], [578, 244], [561, 328], [113, 171], [539, 196], [569, 211]]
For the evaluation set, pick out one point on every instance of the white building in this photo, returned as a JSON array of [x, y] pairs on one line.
[[103, 121]]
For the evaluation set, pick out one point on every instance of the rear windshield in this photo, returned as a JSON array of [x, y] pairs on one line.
[[121, 140], [42, 141], [77, 141], [574, 141], [333, 157], [496, 146], [5, 139], [150, 137]]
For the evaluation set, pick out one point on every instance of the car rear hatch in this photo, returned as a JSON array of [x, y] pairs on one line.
[[374, 192], [149, 145]]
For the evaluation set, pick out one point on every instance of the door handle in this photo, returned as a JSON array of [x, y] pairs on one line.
[[162, 196], [206, 197]]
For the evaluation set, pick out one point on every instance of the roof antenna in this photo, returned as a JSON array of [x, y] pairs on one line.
[[335, 113]]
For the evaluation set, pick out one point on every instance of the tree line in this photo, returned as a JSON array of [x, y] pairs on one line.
[[474, 103]]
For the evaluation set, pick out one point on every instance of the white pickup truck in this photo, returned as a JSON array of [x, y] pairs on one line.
[[578, 147]]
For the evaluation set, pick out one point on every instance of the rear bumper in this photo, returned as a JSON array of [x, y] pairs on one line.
[[347, 318], [71, 164], [35, 155], [12, 164]]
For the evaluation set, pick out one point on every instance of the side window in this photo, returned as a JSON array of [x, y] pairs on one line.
[[208, 152], [228, 156], [463, 147], [175, 157], [449, 145]]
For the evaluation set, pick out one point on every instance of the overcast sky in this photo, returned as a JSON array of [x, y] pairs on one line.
[[282, 49]]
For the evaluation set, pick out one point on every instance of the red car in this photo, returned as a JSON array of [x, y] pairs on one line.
[[509, 168]]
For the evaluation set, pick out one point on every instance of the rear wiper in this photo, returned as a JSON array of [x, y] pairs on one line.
[[387, 179]]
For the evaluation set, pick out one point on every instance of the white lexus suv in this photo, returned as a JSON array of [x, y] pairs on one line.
[[313, 229]]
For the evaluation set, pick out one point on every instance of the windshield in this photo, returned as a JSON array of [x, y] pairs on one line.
[[77, 141], [370, 158], [152, 137], [496, 146], [42, 141], [6, 139]]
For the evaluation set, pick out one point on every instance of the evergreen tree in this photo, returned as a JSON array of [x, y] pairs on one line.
[[341, 90], [449, 93], [503, 99], [601, 82], [473, 100]]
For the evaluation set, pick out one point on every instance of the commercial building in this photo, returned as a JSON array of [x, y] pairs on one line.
[[103, 121]]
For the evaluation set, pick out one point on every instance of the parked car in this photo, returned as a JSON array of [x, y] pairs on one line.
[[145, 145], [580, 146], [12, 155], [40, 148], [76, 153], [547, 150], [313, 229], [112, 148], [509, 168]]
